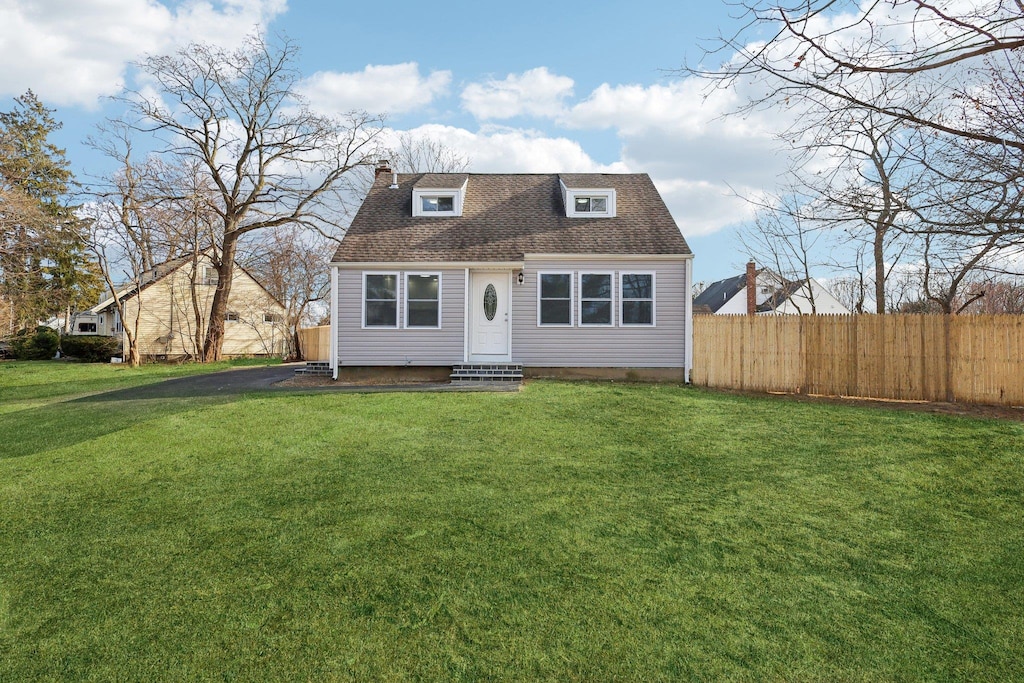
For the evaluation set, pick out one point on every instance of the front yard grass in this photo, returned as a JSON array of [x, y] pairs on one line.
[[568, 532]]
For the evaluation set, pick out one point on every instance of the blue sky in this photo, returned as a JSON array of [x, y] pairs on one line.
[[524, 87]]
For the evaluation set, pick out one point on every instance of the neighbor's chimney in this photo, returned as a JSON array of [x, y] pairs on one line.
[[751, 288], [383, 166]]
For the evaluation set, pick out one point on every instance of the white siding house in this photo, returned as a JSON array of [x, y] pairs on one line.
[[773, 295]]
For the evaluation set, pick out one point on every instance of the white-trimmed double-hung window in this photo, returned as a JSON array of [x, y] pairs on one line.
[[423, 300], [636, 299], [596, 297], [554, 299], [380, 300]]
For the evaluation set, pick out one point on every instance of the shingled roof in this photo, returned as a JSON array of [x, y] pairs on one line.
[[717, 293], [504, 217]]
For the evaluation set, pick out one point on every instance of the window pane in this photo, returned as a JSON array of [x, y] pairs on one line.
[[381, 313], [596, 286], [554, 312], [423, 287], [381, 287], [582, 204], [599, 204], [554, 286], [637, 286], [422, 314], [637, 313], [596, 313], [438, 203]]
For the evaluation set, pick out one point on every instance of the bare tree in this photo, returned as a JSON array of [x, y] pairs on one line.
[[953, 267], [836, 49], [291, 264], [998, 295], [271, 160], [784, 239], [111, 243], [425, 155]]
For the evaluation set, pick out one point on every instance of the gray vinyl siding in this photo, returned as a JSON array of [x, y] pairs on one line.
[[389, 346], [639, 347]]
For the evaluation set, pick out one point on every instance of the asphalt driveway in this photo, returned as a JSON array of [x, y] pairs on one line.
[[236, 381], [262, 379]]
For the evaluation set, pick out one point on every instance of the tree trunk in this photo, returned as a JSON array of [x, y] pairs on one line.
[[212, 351], [879, 254]]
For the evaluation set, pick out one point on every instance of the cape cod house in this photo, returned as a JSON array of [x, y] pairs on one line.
[[172, 324], [496, 274]]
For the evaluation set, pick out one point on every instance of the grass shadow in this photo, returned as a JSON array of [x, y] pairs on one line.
[[58, 425]]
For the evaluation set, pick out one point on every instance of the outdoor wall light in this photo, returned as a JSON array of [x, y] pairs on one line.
[[521, 277]]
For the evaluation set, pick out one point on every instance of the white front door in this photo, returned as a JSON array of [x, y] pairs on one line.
[[489, 315]]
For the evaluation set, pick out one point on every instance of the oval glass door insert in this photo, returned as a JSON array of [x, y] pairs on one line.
[[490, 302]]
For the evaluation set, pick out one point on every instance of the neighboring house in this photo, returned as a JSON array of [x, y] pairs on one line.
[[168, 329], [547, 271], [773, 294]]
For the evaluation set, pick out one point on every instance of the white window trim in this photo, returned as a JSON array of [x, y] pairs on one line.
[[569, 198], [398, 295], [611, 300], [438, 196], [208, 279], [405, 299], [457, 194], [572, 297], [653, 299]]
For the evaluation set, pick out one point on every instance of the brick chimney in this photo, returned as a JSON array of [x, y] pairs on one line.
[[383, 166], [751, 288]]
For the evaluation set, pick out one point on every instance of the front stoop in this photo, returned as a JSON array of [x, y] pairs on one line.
[[468, 373], [316, 368]]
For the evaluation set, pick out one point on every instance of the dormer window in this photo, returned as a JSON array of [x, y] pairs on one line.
[[597, 204], [439, 194], [586, 202], [438, 204]]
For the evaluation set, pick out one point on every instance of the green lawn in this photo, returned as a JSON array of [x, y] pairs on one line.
[[567, 532]]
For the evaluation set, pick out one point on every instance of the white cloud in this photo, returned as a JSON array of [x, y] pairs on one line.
[[701, 207], [392, 89], [536, 92], [72, 53], [495, 149]]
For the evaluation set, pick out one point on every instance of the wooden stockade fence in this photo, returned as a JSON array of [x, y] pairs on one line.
[[315, 342], [965, 358]]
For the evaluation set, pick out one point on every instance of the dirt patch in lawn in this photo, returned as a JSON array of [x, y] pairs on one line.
[[964, 409]]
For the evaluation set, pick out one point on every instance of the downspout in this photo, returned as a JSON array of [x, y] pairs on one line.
[[688, 319], [334, 322]]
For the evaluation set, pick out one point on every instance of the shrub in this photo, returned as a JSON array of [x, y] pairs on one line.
[[90, 349], [40, 344]]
